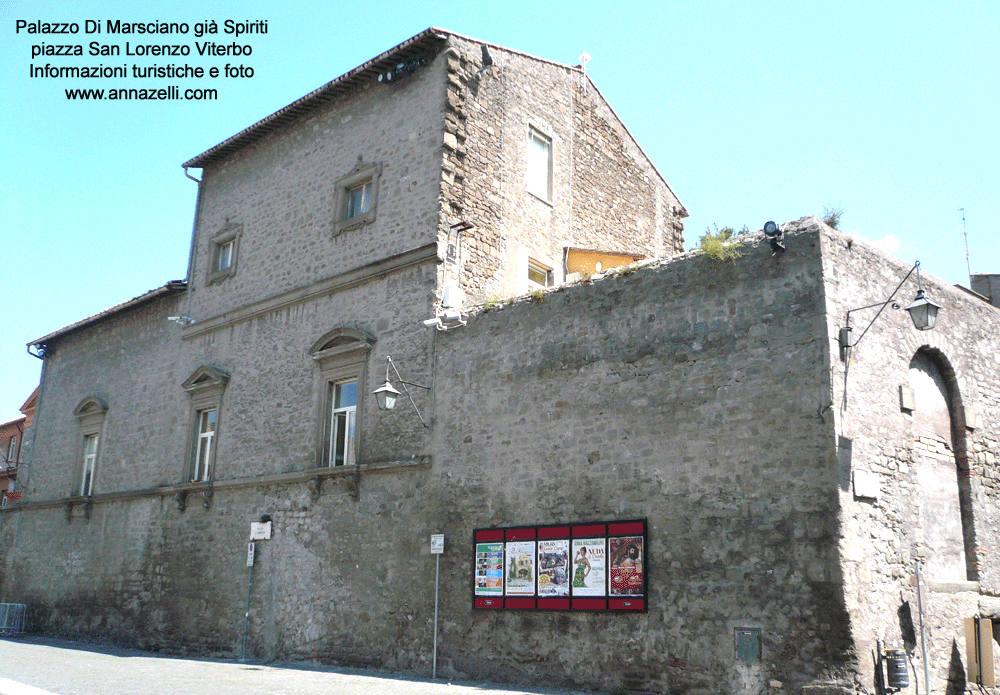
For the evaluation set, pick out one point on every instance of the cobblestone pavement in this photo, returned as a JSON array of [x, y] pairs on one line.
[[39, 666]]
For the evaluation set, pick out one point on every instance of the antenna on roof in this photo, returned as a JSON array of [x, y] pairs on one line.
[[965, 232], [584, 59]]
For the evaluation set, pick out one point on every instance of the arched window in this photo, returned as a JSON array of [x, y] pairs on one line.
[[90, 414], [341, 357]]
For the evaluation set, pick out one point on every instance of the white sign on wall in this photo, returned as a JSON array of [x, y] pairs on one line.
[[250, 553], [437, 543], [260, 531]]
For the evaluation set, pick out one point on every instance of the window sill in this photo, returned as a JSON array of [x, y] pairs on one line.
[[541, 199], [207, 489], [956, 587], [354, 222]]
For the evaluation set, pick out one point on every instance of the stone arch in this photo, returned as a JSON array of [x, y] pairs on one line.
[[943, 473]]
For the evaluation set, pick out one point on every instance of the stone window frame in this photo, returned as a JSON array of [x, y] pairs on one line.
[[361, 174], [538, 135], [90, 414], [341, 355], [230, 234], [205, 387]]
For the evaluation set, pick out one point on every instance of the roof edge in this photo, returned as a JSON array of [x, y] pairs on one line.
[[172, 287], [304, 103]]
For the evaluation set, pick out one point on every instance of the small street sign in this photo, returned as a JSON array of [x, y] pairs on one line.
[[437, 544], [250, 553]]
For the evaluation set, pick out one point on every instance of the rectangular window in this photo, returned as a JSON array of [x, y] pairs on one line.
[[12, 450], [204, 445], [224, 255], [359, 200], [89, 462], [538, 274], [224, 251], [342, 399], [539, 179]]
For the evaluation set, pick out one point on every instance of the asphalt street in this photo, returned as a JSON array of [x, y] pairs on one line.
[[39, 666]]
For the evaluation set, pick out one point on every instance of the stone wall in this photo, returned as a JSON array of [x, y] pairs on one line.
[[889, 527], [606, 194], [688, 393], [695, 394], [281, 192]]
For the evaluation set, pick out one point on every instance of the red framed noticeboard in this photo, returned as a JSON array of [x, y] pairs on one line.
[[598, 566]]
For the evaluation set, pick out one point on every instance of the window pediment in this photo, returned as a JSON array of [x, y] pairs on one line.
[[342, 344], [204, 379], [90, 407]]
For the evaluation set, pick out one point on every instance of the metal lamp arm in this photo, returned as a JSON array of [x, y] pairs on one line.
[[404, 385], [882, 308]]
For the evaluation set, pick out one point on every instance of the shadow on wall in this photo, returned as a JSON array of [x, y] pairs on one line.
[[906, 629], [956, 672]]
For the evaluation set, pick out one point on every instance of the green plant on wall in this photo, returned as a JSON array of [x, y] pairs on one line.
[[832, 215], [720, 245]]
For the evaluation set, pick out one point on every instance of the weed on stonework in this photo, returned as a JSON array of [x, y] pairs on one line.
[[720, 245]]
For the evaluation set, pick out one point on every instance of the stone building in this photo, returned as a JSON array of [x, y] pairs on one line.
[[777, 491]]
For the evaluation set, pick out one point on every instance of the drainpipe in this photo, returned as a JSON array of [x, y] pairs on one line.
[[923, 634], [194, 231]]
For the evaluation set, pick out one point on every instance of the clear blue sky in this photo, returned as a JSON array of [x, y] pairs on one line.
[[752, 111]]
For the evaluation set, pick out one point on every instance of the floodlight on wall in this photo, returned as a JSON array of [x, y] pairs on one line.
[[774, 235], [386, 395], [923, 313]]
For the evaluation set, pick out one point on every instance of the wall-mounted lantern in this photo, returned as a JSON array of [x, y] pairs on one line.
[[387, 394], [923, 313]]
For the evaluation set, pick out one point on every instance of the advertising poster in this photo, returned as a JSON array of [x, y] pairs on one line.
[[489, 569], [625, 566], [589, 563], [553, 567], [519, 566]]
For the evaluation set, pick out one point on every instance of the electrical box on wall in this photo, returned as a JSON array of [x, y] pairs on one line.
[[747, 644]]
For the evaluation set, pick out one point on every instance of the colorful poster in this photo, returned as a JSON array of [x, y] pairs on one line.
[[625, 562], [588, 567], [519, 568], [553, 568], [489, 569]]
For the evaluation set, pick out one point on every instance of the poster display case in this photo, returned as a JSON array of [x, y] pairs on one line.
[[591, 566]]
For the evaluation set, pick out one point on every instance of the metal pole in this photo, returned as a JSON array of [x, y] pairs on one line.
[[437, 579], [923, 634], [246, 620]]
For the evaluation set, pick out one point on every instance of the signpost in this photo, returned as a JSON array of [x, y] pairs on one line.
[[437, 548], [259, 531]]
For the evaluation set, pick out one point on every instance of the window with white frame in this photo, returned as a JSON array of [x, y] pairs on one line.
[[539, 275], [204, 444], [12, 450], [223, 253], [357, 197], [205, 387], [89, 464], [359, 200], [539, 165], [90, 415], [340, 424], [341, 357]]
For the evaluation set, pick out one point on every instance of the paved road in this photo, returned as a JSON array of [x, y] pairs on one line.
[[38, 666]]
